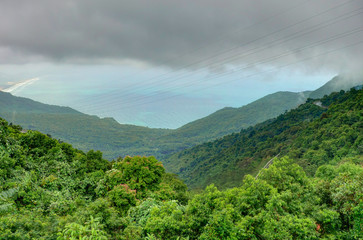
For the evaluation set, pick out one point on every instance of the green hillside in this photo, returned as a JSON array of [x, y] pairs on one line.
[[230, 120], [81, 130], [15, 105], [49, 190], [310, 134], [90, 132]]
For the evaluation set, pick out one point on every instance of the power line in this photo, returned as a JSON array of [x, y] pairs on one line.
[[360, 29], [259, 50], [252, 75], [279, 42], [173, 78], [221, 38]]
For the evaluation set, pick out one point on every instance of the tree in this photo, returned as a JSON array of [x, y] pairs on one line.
[[140, 173]]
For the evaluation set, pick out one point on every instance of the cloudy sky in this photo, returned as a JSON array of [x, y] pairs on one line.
[[163, 63]]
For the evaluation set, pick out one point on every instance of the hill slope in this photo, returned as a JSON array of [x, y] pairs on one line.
[[335, 85], [12, 104], [49, 190], [229, 120], [232, 120], [81, 130], [90, 132], [311, 134]]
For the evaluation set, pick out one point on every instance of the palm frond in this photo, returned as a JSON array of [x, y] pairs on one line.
[[8, 194]]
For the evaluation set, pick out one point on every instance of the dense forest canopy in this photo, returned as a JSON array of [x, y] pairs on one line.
[[317, 132], [50, 190]]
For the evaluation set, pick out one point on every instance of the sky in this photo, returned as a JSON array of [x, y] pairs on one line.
[[164, 63]]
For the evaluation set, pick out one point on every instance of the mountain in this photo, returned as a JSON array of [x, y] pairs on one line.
[[49, 190], [229, 120], [81, 130], [315, 133], [12, 104], [90, 132], [232, 120], [335, 85]]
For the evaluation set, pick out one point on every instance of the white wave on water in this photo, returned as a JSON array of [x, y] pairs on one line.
[[20, 85]]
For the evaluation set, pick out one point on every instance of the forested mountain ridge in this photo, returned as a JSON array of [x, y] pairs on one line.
[[113, 139], [311, 134], [83, 131], [91, 132], [49, 190], [15, 105], [232, 120], [229, 120]]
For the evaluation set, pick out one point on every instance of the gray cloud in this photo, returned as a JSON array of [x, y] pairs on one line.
[[178, 33]]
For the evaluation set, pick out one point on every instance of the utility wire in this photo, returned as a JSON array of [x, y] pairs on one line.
[[221, 52], [295, 35], [253, 53], [252, 75], [131, 95]]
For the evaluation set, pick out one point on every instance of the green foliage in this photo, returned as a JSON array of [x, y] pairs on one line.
[[93, 161], [28, 224], [303, 134], [259, 209], [284, 174], [90, 132], [113, 139], [49, 190], [172, 187], [165, 220], [122, 197], [141, 173], [7, 200], [90, 230]]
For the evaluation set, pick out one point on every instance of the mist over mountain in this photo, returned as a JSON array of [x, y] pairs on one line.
[[338, 82]]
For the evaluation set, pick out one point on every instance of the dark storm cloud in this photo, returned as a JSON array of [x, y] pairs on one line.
[[181, 33]]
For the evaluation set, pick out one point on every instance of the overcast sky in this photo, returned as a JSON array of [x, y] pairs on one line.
[[172, 59]]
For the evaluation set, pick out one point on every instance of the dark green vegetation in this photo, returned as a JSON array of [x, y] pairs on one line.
[[312, 135], [90, 132], [113, 139], [83, 131], [49, 190], [229, 120], [14, 105]]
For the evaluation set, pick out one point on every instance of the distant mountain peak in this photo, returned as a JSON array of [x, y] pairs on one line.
[[341, 82]]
